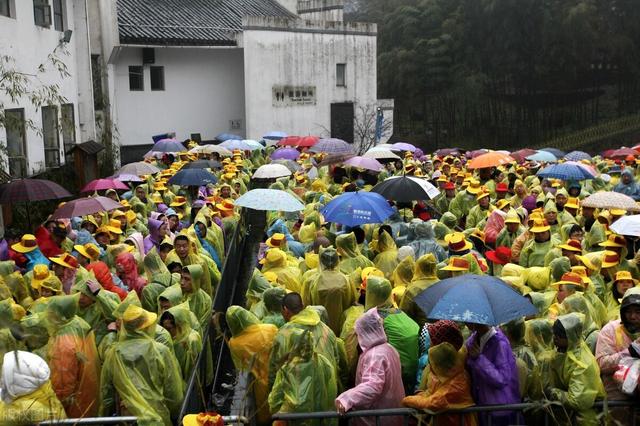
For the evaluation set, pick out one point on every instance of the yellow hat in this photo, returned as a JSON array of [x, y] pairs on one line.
[[178, 201], [614, 240], [226, 205], [371, 271], [27, 244], [482, 194], [52, 283], [273, 255], [131, 217], [512, 217], [618, 212], [501, 204], [442, 178], [229, 176], [272, 277], [572, 203], [159, 186], [474, 187], [40, 273], [456, 264], [65, 260], [569, 278], [624, 276], [571, 245], [114, 226], [89, 250], [582, 271], [92, 220], [301, 178], [540, 226], [138, 318], [203, 419], [276, 240], [117, 213], [156, 198], [457, 242], [103, 230], [610, 259]]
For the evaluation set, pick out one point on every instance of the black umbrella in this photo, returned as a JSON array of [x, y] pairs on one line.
[[27, 190], [405, 189], [203, 164]]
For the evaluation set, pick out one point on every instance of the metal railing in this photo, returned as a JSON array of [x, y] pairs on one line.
[[128, 420], [528, 408]]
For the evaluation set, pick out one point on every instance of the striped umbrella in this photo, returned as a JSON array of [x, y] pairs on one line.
[[577, 156]]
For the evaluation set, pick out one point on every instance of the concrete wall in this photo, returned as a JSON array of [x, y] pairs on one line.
[[30, 45], [280, 52], [321, 10], [204, 91]]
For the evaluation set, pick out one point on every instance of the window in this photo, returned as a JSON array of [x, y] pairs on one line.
[[68, 126], [50, 135], [16, 142], [5, 8], [341, 79], [136, 78], [157, 78], [42, 13], [58, 15]]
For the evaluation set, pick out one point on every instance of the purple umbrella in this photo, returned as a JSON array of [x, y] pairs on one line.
[[418, 153], [85, 206], [404, 146], [285, 154], [448, 151], [477, 152], [26, 190], [332, 146], [168, 145], [127, 178], [364, 163]]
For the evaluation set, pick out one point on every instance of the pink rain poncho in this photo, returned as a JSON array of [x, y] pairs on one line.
[[128, 272], [495, 223], [378, 377]]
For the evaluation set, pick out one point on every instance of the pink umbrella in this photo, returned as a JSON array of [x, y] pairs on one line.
[[364, 163], [103, 184]]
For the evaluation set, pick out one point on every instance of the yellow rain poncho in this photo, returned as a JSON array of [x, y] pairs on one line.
[[210, 278], [403, 274], [10, 315], [578, 303], [575, 374], [350, 256], [272, 300], [528, 371], [158, 279], [424, 276], [95, 309], [250, 346], [257, 285], [171, 297], [276, 262], [187, 343], [539, 337], [198, 300], [331, 289], [306, 382], [387, 258], [141, 374]]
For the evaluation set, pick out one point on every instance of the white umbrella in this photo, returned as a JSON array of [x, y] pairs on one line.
[[627, 225], [610, 200], [211, 149], [139, 168], [253, 144], [271, 171], [381, 154], [270, 200]]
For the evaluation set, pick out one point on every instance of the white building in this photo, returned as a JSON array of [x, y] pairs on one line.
[[201, 67], [30, 31]]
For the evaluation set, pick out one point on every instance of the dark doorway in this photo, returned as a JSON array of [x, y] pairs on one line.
[[342, 121]]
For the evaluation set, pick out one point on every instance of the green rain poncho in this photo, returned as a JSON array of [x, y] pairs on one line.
[[424, 276], [578, 303], [10, 315], [387, 258], [462, 203], [158, 279], [350, 256], [143, 374], [173, 295], [533, 253], [257, 286], [526, 361], [199, 301], [575, 374], [402, 332], [331, 289], [187, 343], [276, 261], [250, 346], [98, 312], [539, 337], [272, 299], [306, 382], [403, 274]]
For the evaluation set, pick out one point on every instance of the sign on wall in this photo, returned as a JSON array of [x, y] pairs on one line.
[[294, 95]]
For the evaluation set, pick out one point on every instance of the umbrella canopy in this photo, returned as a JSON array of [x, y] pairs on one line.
[[228, 136], [271, 171], [490, 159], [232, 144], [139, 168], [555, 151], [289, 164], [269, 200], [443, 152], [103, 184], [522, 154], [25, 190], [274, 135], [203, 164], [478, 299], [543, 157], [253, 144], [192, 177], [357, 208], [565, 171], [299, 141], [332, 146], [381, 154], [285, 154], [85, 206], [627, 225], [610, 200], [127, 178], [478, 152], [405, 189], [168, 145], [211, 149], [623, 152], [332, 159], [577, 156], [404, 146], [364, 163]]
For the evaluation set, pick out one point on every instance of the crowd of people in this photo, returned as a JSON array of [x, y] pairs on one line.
[[105, 314]]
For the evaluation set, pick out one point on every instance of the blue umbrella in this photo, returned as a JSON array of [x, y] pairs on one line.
[[479, 299], [168, 145], [270, 200], [543, 156], [565, 171], [232, 144], [275, 135], [253, 144], [192, 177], [357, 208], [577, 156], [227, 136], [555, 151]]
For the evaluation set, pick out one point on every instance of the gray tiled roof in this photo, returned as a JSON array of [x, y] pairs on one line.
[[189, 22]]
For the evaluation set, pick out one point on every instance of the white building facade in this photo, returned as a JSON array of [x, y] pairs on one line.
[[37, 137]]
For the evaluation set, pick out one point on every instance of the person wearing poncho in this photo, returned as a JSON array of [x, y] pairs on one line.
[[187, 343]]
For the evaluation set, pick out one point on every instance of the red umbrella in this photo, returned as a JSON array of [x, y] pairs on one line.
[[623, 152], [299, 141], [85, 206], [522, 154], [103, 184], [289, 141]]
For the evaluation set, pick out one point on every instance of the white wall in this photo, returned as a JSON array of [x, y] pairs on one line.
[[305, 53], [30, 45], [204, 91]]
